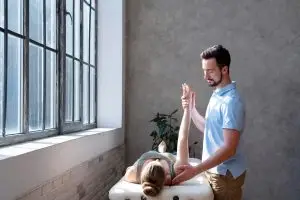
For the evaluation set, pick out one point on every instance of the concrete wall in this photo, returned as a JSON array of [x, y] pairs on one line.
[[164, 42]]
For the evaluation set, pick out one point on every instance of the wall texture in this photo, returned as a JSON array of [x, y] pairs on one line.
[[89, 181], [164, 42]]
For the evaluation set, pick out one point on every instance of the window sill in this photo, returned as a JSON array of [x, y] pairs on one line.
[[37, 161], [27, 147]]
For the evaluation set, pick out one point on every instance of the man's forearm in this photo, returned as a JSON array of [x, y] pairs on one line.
[[198, 120], [220, 156]]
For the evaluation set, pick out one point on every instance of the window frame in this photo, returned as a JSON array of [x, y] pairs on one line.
[[78, 126], [61, 126]]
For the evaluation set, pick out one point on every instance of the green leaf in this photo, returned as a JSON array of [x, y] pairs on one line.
[[164, 120], [156, 119], [153, 134], [170, 127], [175, 119], [173, 136], [162, 130], [174, 112]]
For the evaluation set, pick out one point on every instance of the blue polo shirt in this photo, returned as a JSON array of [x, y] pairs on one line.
[[225, 110]]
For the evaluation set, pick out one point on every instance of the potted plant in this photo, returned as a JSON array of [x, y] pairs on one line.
[[166, 129]]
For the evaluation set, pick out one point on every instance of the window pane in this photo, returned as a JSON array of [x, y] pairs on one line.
[[93, 3], [69, 90], [77, 29], [2, 13], [92, 95], [93, 39], [77, 91], [51, 23], [36, 20], [15, 16], [14, 82], [69, 28], [1, 79], [86, 21], [85, 94], [50, 90], [36, 87]]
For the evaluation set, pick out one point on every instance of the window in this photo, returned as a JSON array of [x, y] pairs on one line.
[[47, 68]]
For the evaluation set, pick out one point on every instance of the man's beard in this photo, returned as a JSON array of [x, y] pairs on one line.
[[215, 83]]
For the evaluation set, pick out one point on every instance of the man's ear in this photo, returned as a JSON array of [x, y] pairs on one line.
[[225, 70]]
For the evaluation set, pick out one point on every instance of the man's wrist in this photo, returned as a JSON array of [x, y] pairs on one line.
[[199, 169]]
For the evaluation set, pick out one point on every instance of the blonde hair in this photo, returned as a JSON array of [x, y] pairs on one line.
[[152, 178]]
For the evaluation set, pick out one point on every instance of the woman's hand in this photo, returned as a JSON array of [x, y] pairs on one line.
[[188, 97]]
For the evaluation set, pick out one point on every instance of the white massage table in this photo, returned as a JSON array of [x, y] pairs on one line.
[[196, 188]]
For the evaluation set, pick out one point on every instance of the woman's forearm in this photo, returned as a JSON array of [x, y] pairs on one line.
[[182, 145], [185, 124]]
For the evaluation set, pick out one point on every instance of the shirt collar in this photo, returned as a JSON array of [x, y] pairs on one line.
[[223, 90]]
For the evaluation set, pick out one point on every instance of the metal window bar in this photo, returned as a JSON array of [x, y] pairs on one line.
[[26, 67], [73, 62], [14, 33], [5, 68], [95, 57], [44, 65], [89, 73], [62, 63], [68, 14], [81, 62], [90, 4], [86, 2], [57, 38], [44, 46]]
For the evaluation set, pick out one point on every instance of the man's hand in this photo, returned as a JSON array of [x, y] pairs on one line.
[[168, 180], [186, 172]]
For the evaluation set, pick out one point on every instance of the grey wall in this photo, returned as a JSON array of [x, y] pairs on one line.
[[165, 38]]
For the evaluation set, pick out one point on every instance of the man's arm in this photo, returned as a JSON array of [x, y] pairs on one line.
[[231, 141], [198, 120], [233, 124], [224, 153]]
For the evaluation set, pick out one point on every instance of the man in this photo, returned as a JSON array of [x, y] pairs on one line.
[[223, 125]]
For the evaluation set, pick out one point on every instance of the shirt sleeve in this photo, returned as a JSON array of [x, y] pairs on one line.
[[234, 115]]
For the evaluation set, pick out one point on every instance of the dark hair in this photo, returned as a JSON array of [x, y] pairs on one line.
[[218, 52]]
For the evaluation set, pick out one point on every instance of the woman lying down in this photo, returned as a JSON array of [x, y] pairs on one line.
[[155, 169]]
